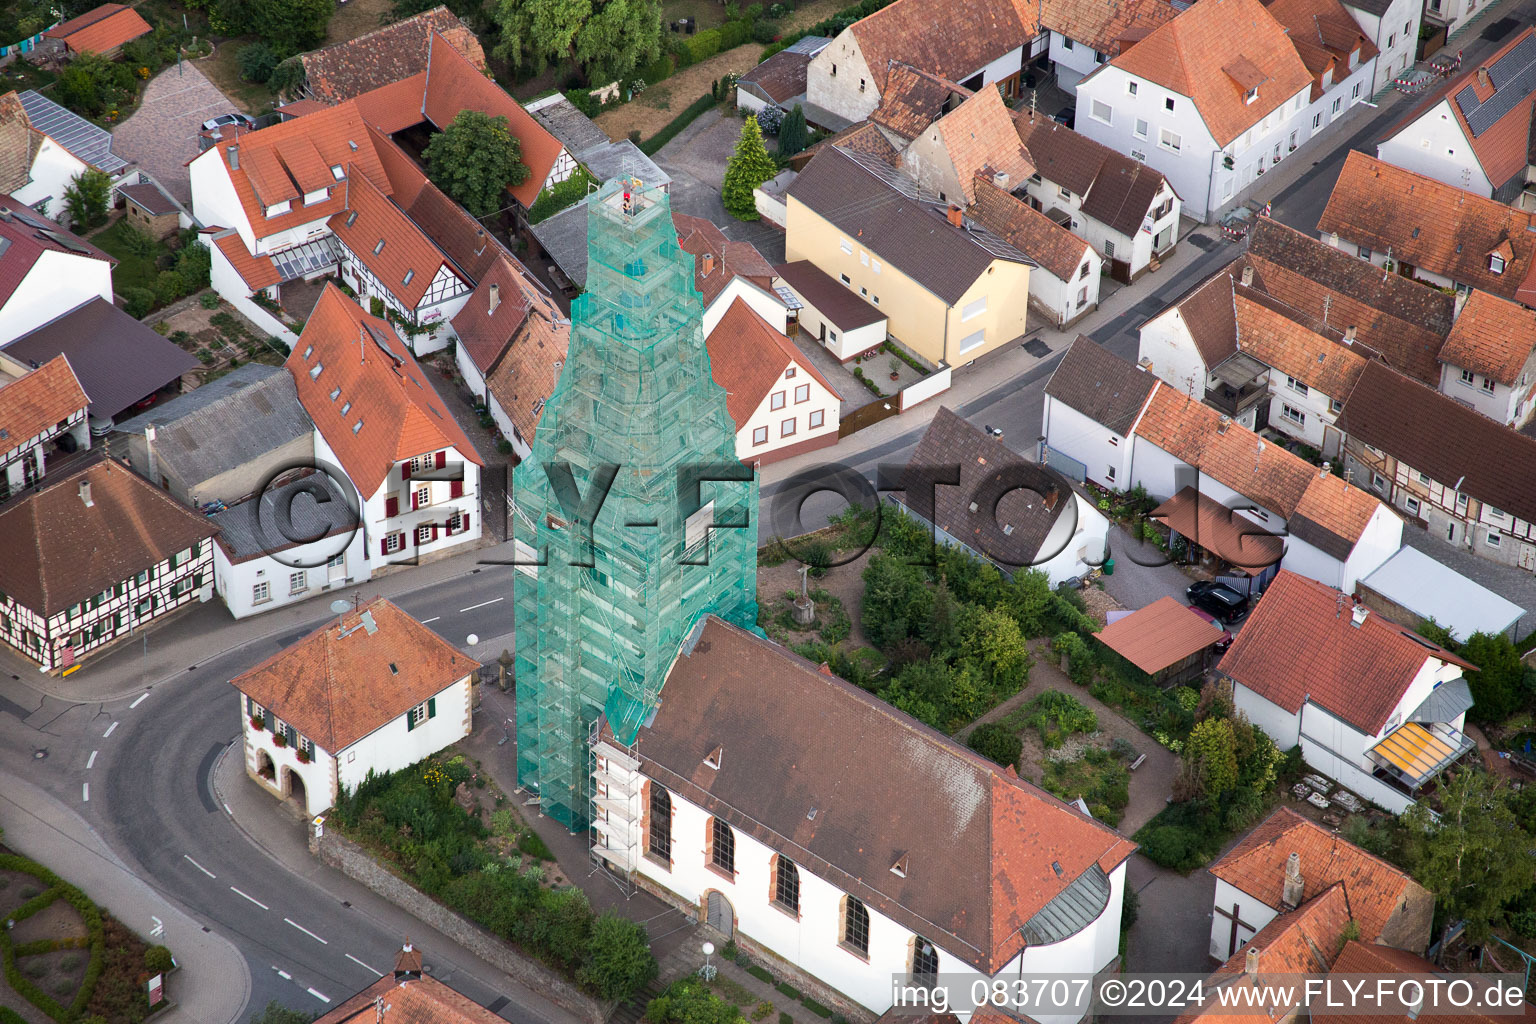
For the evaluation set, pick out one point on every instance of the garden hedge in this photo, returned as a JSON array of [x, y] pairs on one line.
[[56, 889], [677, 124]]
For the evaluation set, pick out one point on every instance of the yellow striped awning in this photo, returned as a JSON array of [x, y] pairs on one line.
[[1414, 751]]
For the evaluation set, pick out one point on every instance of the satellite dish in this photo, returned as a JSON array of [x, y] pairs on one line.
[[341, 606]]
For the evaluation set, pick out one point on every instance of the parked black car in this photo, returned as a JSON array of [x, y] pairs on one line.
[[1066, 116], [1219, 599]]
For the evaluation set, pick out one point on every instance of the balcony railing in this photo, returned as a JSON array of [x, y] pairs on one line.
[[1235, 401]]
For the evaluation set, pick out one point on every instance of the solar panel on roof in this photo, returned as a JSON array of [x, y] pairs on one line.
[[73, 132], [1514, 79]]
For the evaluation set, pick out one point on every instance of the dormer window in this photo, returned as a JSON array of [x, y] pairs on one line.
[[346, 408], [1496, 263], [314, 371], [357, 426], [309, 351], [408, 275], [335, 394], [1251, 95], [352, 145]]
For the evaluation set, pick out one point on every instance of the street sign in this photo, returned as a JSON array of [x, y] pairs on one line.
[[156, 990]]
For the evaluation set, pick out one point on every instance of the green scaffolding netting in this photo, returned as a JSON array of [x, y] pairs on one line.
[[636, 393]]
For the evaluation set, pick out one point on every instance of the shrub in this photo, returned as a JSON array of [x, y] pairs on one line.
[[257, 62], [760, 973], [618, 961], [1130, 909], [762, 1010], [785, 1018], [677, 124], [700, 47], [689, 1001], [209, 300], [10, 1016], [1057, 715], [376, 306], [286, 75], [137, 302], [788, 989], [87, 199], [530, 843], [194, 263], [169, 287], [996, 742], [815, 1007], [504, 446], [770, 118], [764, 32], [158, 959], [730, 951], [135, 241]]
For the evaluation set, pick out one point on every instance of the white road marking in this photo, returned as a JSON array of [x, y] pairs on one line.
[[482, 604], [432, 619], [139, 701], [85, 791], [91, 763], [317, 995], [228, 811], [283, 974], [256, 901], [199, 867], [359, 963], [306, 931], [109, 730]]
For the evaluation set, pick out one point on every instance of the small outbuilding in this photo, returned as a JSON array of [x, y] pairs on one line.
[[1166, 640]]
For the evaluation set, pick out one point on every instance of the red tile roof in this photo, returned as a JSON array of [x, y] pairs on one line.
[[980, 138], [1055, 249], [1301, 643], [728, 260], [394, 415], [348, 69], [1277, 341], [1256, 866], [1107, 28], [337, 689], [951, 40], [912, 100], [526, 374], [101, 30], [256, 271], [29, 235], [1117, 190], [455, 84], [1188, 54], [1361, 958], [493, 314], [1163, 633], [1492, 336], [36, 401], [387, 242], [1325, 35], [747, 358], [1433, 226], [421, 1000], [396, 106]]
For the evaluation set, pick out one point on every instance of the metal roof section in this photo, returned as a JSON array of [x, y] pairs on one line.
[[809, 45], [1445, 702], [1432, 590], [1071, 910], [1514, 78], [73, 132], [308, 258]]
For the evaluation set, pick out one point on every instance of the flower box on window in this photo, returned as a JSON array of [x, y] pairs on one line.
[[279, 740], [303, 755], [258, 723]]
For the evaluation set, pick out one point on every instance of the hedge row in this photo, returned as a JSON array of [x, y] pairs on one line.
[[58, 889], [706, 44], [829, 27], [677, 124]]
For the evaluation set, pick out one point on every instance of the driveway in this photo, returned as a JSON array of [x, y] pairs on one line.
[[696, 160], [161, 136], [1139, 579]]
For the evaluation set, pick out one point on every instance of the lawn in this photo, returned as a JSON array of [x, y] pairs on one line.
[[708, 12], [355, 18], [223, 70], [21, 76], [133, 270]]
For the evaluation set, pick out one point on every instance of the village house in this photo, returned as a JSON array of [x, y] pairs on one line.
[[102, 30], [48, 270], [781, 404], [1168, 640], [370, 691], [1287, 861], [1084, 34], [912, 100], [586, 144], [35, 168], [1460, 476], [842, 888], [1005, 509], [779, 81], [975, 44], [225, 440], [725, 271], [1124, 208], [953, 291], [415, 472], [1488, 361], [1093, 400], [832, 313], [1373, 705], [149, 555], [148, 208], [1065, 282], [348, 69], [976, 138], [410, 995], [1213, 128], [1473, 132], [1423, 228], [42, 413], [1393, 28]]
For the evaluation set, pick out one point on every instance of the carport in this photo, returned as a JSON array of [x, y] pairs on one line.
[[1210, 527], [1166, 640]]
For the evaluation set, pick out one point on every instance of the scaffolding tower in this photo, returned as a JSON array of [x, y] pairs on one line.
[[600, 623]]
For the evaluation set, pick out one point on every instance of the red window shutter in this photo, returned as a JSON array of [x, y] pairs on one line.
[[464, 522], [391, 507], [405, 470], [414, 496], [442, 459], [434, 531], [383, 545], [456, 489]]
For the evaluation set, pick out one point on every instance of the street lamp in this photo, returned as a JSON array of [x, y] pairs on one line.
[[707, 972]]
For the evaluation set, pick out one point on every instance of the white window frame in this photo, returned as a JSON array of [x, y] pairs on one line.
[[261, 592], [423, 535], [393, 543], [1493, 538], [417, 716], [1170, 140], [972, 342], [1412, 505], [846, 246], [1107, 116], [298, 582], [1293, 414], [1141, 128], [1297, 386], [972, 310]]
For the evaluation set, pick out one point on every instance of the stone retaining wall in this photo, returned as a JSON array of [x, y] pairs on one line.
[[354, 862]]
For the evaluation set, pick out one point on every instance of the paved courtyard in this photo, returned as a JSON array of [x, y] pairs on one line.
[[696, 160], [161, 136]]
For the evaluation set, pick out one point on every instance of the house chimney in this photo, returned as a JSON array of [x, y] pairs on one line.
[[1251, 962], [151, 463], [234, 158], [495, 298], [1327, 468], [1247, 277], [954, 215], [85, 494], [1052, 496], [408, 963], [1349, 335], [1482, 78], [1291, 894], [708, 263], [1223, 424], [1359, 615], [1000, 179]]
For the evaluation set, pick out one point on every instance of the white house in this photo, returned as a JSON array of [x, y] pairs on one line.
[[415, 472], [373, 690], [294, 541], [1093, 401], [1065, 282], [1488, 361], [40, 412], [833, 314], [1005, 509], [1214, 130], [33, 167], [780, 402], [49, 270], [1372, 704], [1288, 861], [1084, 34], [724, 271], [149, 557], [830, 835], [1124, 208], [1393, 28]]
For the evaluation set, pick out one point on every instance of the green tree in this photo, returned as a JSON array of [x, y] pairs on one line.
[[748, 168], [257, 62], [288, 26], [996, 742], [618, 961], [91, 84], [1497, 686], [793, 134], [621, 37], [1477, 857], [943, 631], [896, 602], [87, 199], [474, 160], [536, 32], [276, 1013], [1210, 756], [286, 75], [992, 637]]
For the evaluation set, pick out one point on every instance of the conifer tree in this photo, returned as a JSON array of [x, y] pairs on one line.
[[748, 168]]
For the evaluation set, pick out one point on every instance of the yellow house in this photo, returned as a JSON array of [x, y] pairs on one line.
[[951, 290]]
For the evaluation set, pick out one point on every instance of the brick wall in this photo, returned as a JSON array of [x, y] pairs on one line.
[[352, 861]]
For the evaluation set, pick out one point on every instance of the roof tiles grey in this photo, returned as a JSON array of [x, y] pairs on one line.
[[1100, 385], [286, 516]]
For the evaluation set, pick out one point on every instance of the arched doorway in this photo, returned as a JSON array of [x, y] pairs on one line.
[[295, 789], [718, 913], [265, 768]]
